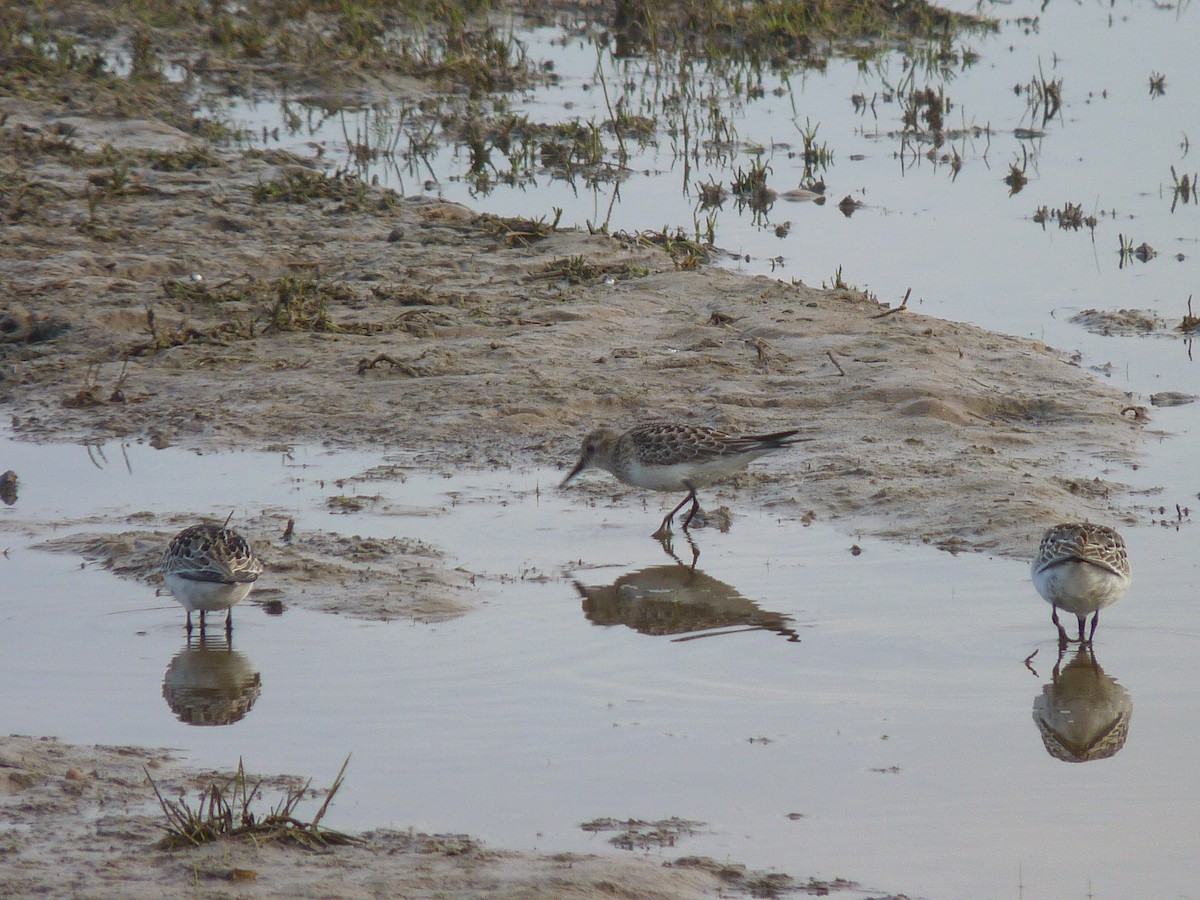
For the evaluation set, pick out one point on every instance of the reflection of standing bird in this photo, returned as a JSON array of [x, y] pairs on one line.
[[670, 456], [677, 599], [210, 683], [208, 568], [1081, 568], [1082, 714]]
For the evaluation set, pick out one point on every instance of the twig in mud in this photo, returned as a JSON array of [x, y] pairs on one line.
[[364, 364], [1139, 413], [613, 119], [245, 276], [1189, 322], [896, 309], [763, 349], [118, 395], [841, 371], [337, 783]]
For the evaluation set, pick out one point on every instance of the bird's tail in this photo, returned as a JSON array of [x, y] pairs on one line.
[[776, 440]]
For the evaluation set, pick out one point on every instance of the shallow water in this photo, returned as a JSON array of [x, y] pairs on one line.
[[901, 721]]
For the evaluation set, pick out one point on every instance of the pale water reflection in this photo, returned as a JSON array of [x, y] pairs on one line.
[[210, 683], [1082, 714]]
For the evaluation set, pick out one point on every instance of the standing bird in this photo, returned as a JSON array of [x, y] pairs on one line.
[[670, 456], [1081, 568], [209, 567]]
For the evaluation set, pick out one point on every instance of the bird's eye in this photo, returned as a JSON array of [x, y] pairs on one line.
[[589, 448]]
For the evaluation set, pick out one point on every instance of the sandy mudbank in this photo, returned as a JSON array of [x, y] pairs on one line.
[[217, 313], [66, 808], [369, 578]]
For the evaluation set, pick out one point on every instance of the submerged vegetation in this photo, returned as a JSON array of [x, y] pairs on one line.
[[161, 49], [772, 30], [675, 76], [670, 73], [260, 43], [1069, 216]]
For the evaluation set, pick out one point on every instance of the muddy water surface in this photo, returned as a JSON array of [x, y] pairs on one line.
[[900, 720]]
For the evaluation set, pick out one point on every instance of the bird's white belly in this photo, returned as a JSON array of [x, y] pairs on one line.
[[206, 596], [1079, 588], [678, 476]]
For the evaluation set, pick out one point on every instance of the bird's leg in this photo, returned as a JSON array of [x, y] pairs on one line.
[[1082, 621], [1095, 622], [687, 520], [665, 528], [229, 622], [1062, 634], [189, 623], [201, 622]]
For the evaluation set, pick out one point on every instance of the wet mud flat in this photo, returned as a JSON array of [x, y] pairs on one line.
[[217, 313], [222, 320], [68, 806]]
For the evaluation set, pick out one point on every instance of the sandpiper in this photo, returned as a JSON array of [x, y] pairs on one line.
[[671, 456], [1081, 568], [209, 567]]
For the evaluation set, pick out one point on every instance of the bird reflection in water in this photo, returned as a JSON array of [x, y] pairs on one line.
[[668, 546], [681, 600], [1082, 714], [210, 683]]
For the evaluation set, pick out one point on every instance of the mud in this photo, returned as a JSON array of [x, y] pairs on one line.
[[171, 332]]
